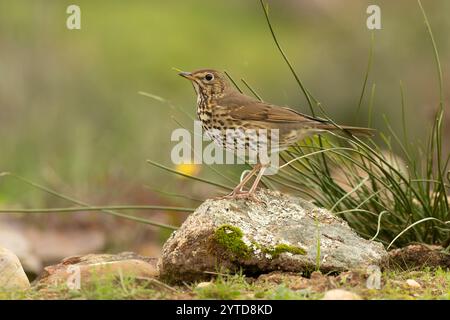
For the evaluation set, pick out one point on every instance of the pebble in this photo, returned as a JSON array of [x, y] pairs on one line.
[[413, 283], [340, 294]]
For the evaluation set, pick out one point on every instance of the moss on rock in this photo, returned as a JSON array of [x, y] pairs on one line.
[[230, 238], [279, 249]]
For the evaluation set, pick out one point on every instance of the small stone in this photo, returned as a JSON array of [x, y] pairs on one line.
[[12, 276], [413, 283], [339, 294], [80, 271], [202, 285]]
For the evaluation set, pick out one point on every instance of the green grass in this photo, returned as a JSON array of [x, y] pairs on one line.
[[393, 199], [225, 287], [434, 284], [112, 289]]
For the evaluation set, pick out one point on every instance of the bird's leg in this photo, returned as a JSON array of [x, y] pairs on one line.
[[258, 178], [238, 193], [244, 179], [240, 186], [251, 193], [238, 189]]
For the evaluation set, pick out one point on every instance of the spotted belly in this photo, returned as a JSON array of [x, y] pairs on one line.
[[236, 136]]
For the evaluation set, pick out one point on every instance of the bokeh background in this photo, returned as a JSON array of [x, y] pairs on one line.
[[71, 117]]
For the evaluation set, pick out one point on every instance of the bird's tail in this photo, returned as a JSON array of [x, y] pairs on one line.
[[357, 131]]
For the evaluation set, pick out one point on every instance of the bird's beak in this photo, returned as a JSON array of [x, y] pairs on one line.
[[186, 75]]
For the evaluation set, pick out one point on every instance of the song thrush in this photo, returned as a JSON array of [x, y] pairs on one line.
[[221, 107]]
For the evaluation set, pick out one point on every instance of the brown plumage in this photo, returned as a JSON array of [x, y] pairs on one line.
[[220, 107]]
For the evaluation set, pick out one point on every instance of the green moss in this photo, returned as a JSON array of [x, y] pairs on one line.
[[230, 238], [279, 249]]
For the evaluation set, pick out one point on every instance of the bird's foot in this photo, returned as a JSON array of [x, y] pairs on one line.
[[233, 195], [244, 195]]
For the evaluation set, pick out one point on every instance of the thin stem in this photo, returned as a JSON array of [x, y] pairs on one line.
[[280, 49], [232, 80], [85, 205], [189, 176], [366, 76], [252, 90], [97, 208]]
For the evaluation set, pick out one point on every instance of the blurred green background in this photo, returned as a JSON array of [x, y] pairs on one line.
[[71, 116]]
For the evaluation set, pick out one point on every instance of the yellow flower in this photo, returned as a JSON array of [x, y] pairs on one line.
[[188, 168]]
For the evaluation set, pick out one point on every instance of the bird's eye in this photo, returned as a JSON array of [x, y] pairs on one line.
[[209, 77]]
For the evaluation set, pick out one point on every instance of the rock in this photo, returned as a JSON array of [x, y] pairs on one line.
[[80, 271], [12, 276], [413, 283], [339, 294], [277, 232]]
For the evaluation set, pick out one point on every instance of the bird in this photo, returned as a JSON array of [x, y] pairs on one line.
[[221, 107]]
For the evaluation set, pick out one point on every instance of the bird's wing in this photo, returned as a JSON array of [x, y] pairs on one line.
[[242, 107], [252, 109]]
